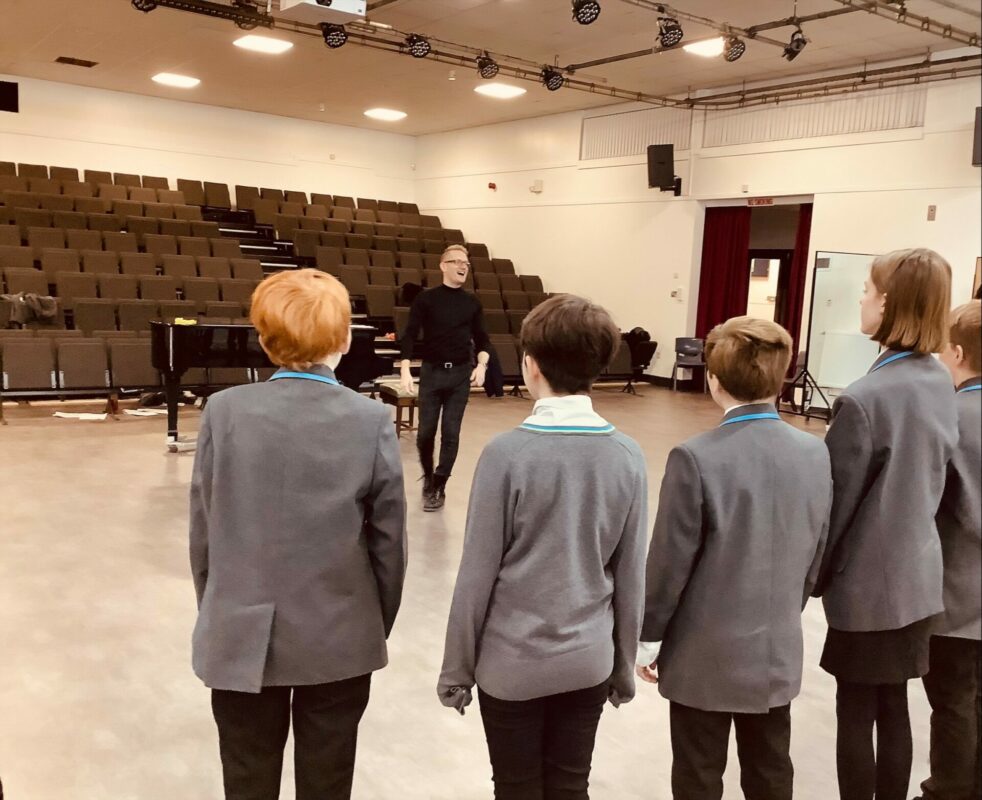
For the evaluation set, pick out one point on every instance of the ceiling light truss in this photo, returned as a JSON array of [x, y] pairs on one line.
[[897, 12], [459, 55], [246, 17]]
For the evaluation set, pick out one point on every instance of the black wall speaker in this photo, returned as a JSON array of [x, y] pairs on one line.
[[977, 146], [9, 100], [661, 166]]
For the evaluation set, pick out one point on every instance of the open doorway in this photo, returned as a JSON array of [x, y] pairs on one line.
[[754, 262]]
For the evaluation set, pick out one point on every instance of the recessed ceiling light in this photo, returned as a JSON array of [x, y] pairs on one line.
[[710, 48], [178, 81], [385, 114], [501, 91], [263, 44]]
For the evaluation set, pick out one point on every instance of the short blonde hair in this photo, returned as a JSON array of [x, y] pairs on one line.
[[454, 247], [966, 332], [302, 317], [917, 285], [749, 356]]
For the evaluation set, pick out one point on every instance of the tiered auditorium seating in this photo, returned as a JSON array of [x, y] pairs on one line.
[[120, 249]]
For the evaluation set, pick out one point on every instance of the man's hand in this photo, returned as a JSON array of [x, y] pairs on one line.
[[406, 381], [648, 674], [478, 375]]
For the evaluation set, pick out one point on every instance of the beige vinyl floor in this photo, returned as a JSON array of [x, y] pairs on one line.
[[97, 698]]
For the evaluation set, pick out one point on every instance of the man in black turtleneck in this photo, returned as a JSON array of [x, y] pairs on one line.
[[450, 319]]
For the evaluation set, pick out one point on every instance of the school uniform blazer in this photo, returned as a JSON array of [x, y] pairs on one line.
[[298, 541], [960, 521], [741, 525], [893, 433]]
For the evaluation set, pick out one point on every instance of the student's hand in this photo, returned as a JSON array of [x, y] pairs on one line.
[[648, 674], [477, 376], [406, 382]]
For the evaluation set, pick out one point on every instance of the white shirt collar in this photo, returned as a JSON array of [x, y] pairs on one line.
[[571, 411], [734, 408]]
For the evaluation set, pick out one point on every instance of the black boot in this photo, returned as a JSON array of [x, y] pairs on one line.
[[438, 496], [427, 485]]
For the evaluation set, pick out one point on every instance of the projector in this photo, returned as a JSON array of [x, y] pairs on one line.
[[314, 12]]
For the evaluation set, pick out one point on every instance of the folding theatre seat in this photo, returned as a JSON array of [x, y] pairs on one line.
[[9, 236], [216, 196], [120, 242], [382, 276], [110, 191], [189, 212], [382, 258], [44, 186], [209, 230], [293, 196], [40, 238], [127, 208], [136, 315], [409, 208], [201, 292], [246, 269], [489, 299], [343, 213], [28, 365], [537, 297], [118, 287], [170, 197], [515, 301], [141, 226], [95, 315], [319, 199], [432, 277], [174, 309], [235, 291], [245, 197], [363, 229], [152, 182], [265, 193], [406, 275], [32, 281], [183, 266], [487, 282], [225, 309], [130, 364], [106, 223], [405, 245], [160, 288], [69, 220], [152, 208], [411, 261], [93, 205], [77, 189], [344, 202], [355, 279], [159, 246], [54, 261], [126, 179], [380, 301], [532, 283], [388, 243], [316, 211], [226, 248], [97, 177], [285, 225], [354, 257], [64, 174], [8, 168], [366, 203], [100, 262], [496, 322], [193, 246], [329, 259], [32, 170], [337, 226], [291, 209], [214, 267], [305, 244], [175, 227], [141, 195], [138, 264], [502, 266], [388, 206], [194, 191], [515, 320], [478, 249], [16, 257], [73, 286], [510, 283]]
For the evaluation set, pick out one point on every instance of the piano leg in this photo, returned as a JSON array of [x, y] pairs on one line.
[[172, 393]]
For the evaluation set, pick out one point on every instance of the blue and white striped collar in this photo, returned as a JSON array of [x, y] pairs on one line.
[[570, 414]]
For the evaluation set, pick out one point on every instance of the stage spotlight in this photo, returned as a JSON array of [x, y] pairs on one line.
[[335, 36], [733, 48], [146, 6], [552, 79], [418, 46], [586, 11], [669, 31], [796, 45], [487, 67]]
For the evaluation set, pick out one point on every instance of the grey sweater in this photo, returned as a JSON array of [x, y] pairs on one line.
[[550, 592]]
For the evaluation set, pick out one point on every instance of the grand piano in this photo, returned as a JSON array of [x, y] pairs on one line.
[[177, 348]]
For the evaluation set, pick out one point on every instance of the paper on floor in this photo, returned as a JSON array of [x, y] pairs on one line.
[[145, 412], [68, 415]]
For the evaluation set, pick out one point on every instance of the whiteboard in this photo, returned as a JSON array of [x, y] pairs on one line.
[[838, 351]]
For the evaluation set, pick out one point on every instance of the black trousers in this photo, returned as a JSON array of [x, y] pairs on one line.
[[953, 685], [700, 740], [863, 772], [441, 391], [542, 749], [253, 728]]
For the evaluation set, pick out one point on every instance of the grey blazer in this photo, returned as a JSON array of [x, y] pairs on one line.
[[960, 521], [893, 433], [298, 540], [741, 526]]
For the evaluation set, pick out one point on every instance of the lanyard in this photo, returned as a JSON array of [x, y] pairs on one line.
[[894, 357], [305, 376], [976, 388], [748, 417]]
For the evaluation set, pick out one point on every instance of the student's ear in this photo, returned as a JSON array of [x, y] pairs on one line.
[[958, 354], [347, 344]]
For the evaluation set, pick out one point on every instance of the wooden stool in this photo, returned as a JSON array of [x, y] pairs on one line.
[[392, 394]]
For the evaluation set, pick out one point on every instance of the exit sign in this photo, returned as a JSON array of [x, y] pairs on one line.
[[760, 201]]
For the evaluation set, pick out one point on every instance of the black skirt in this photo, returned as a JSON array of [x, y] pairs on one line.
[[877, 657]]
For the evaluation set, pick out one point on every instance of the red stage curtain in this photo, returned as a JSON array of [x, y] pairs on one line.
[[794, 304], [724, 283]]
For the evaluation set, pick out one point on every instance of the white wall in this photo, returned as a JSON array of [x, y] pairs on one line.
[[75, 126], [597, 229]]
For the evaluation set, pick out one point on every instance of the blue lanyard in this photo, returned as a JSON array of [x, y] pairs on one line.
[[748, 417], [976, 388], [894, 357], [305, 376]]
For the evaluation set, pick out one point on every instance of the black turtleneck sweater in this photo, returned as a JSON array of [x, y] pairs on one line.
[[449, 319]]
